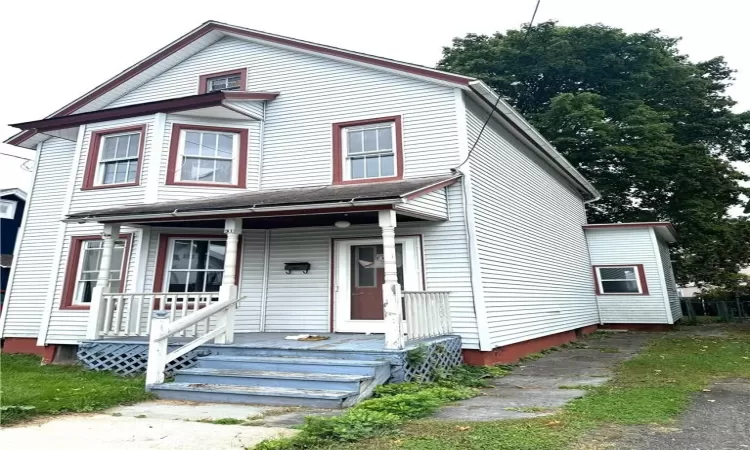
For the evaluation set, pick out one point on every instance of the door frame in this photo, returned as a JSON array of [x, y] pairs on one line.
[[341, 281]]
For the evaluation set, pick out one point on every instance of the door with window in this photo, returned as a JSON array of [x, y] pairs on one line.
[[359, 276]]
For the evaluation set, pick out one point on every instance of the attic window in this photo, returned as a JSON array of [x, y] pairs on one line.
[[231, 80]]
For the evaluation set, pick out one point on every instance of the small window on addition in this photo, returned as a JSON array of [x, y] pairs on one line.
[[626, 279]]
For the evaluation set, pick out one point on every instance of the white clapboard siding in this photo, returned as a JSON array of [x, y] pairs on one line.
[[92, 199], [674, 295], [434, 204], [176, 192], [532, 250], [251, 280], [34, 261], [316, 92], [629, 246], [68, 326], [301, 302]]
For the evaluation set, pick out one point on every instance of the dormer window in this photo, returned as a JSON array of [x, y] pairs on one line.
[[367, 151], [7, 209], [208, 156], [230, 80], [115, 157]]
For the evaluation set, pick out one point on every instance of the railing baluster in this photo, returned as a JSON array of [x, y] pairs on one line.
[[151, 305], [427, 314], [172, 301], [118, 315], [136, 330], [127, 315], [108, 313]]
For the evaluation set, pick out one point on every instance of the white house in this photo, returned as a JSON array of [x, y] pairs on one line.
[[237, 184]]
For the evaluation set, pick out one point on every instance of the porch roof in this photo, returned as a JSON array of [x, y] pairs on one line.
[[283, 201]]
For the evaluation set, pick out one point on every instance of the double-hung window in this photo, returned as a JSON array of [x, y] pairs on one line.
[[368, 150], [208, 156], [114, 157], [625, 279], [83, 269], [195, 265]]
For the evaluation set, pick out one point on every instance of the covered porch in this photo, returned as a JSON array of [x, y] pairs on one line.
[[176, 322]]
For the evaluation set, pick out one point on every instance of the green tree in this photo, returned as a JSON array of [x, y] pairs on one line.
[[652, 130]]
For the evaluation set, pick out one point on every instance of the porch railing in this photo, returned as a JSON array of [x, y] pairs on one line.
[[221, 331], [427, 314], [131, 314]]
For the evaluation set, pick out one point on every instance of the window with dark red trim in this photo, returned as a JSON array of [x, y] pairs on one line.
[[83, 269], [228, 80], [207, 156], [115, 157], [191, 262], [622, 279], [366, 151]]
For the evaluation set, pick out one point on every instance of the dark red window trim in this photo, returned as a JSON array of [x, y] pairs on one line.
[[161, 255], [641, 278], [174, 146], [203, 79], [71, 270], [338, 160], [92, 161]]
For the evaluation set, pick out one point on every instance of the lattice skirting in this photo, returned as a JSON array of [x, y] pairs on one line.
[[129, 359], [426, 360]]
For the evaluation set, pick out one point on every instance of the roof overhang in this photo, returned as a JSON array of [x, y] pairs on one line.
[[14, 191], [487, 97], [295, 201], [220, 99], [665, 230]]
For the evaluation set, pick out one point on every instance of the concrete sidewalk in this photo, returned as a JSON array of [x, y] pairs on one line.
[[540, 387]]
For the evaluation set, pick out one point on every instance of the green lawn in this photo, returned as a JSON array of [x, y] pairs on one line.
[[28, 389], [652, 388]]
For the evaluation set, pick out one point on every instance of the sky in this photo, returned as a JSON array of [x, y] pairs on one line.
[[54, 51]]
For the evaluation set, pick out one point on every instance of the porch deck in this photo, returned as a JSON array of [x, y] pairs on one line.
[[343, 342]]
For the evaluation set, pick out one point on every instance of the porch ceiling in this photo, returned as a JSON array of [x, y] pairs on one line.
[[335, 199]]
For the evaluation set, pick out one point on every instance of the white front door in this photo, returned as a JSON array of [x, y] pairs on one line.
[[358, 281]]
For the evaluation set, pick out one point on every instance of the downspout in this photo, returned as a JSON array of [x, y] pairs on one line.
[[264, 288], [262, 139], [591, 264]]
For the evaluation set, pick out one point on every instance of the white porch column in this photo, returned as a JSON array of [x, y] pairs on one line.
[[96, 317], [394, 334], [228, 289]]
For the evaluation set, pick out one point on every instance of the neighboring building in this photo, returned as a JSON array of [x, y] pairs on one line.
[[12, 203], [312, 183]]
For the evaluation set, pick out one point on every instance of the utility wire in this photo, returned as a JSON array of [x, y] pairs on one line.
[[489, 116], [14, 156]]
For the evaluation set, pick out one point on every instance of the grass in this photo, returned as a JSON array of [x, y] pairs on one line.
[[652, 388], [31, 390]]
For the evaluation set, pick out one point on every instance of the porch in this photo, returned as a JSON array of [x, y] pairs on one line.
[[374, 285]]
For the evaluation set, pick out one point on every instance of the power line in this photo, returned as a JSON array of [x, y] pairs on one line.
[[14, 156], [494, 106]]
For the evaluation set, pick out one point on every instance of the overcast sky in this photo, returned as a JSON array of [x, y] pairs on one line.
[[55, 51]]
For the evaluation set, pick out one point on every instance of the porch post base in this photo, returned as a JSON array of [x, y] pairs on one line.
[[227, 292]]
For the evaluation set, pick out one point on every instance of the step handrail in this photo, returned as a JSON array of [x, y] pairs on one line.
[[161, 330]]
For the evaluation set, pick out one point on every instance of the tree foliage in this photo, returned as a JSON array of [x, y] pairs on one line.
[[653, 131]]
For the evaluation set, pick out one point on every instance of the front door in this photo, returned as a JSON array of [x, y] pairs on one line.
[[359, 277]]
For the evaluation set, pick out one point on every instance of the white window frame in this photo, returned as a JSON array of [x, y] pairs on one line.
[[210, 81], [170, 256], [235, 159], [638, 275], [100, 163], [79, 268], [347, 160], [10, 213]]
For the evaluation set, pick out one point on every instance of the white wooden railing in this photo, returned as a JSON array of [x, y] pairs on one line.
[[427, 314], [162, 328], [131, 314]]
